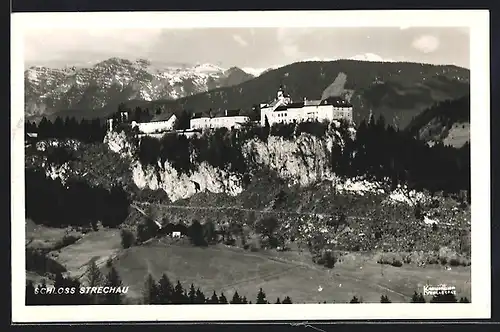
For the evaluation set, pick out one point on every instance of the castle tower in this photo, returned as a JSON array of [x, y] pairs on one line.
[[281, 92]]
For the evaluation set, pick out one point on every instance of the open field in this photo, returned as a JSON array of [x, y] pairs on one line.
[[43, 237], [228, 269], [98, 245]]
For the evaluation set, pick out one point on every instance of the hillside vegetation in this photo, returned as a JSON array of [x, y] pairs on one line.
[[378, 152], [447, 121]]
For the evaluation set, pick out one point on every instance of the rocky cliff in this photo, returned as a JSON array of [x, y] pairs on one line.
[[302, 161]]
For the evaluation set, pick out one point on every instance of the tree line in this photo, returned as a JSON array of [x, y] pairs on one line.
[[446, 112], [221, 148], [163, 291], [87, 131], [382, 152], [75, 202]]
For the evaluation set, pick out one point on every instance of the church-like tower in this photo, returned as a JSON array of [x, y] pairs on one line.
[[281, 93]]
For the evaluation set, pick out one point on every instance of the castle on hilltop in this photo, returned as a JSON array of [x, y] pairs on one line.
[[281, 110], [284, 110]]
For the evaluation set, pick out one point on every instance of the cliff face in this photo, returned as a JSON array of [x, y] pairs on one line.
[[302, 161], [179, 186], [118, 142]]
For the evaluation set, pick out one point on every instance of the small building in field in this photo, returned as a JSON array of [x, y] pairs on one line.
[[175, 229]]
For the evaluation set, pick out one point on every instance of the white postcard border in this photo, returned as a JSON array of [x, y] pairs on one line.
[[476, 20]]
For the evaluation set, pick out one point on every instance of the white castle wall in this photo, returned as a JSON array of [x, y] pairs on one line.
[[218, 122], [157, 126], [309, 112]]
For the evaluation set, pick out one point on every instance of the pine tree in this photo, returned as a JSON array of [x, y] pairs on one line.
[[192, 294], [464, 300], [214, 299], [94, 278], [200, 297], [113, 280], [444, 298], [178, 294], [384, 299], [417, 298], [236, 298], [266, 130], [244, 300], [287, 300], [261, 297], [354, 300], [278, 301], [30, 296], [59, 282], [150, 292], [222, 299]]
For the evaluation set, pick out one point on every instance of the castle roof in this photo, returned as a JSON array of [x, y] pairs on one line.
[[334, 101], [227, 113]]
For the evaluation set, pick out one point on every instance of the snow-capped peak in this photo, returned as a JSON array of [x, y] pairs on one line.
[[254, 71], [207, 68], [259, 71], [315, 59], [370, 57]]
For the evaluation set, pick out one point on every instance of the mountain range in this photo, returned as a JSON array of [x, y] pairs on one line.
[[50, 90], [397, 90]]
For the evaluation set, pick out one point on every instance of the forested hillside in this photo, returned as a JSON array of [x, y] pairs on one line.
[[447, 122], [399, 91]]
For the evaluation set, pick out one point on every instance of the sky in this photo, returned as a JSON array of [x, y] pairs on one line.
[[259, 48]]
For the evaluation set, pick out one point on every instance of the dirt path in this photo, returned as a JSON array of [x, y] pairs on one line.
[[237, 208]]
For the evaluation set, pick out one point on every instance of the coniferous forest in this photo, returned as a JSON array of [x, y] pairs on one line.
[[87, 131], [76, 203]]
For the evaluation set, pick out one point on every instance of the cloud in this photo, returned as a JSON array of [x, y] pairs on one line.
[[48, 44], [288, 39], [291, 51], [240, 40], [426, 43]]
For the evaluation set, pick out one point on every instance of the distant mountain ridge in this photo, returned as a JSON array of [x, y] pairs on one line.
[[94, 86], [397, 90]]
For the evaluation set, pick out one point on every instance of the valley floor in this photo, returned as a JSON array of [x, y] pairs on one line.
[[227, 269]]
